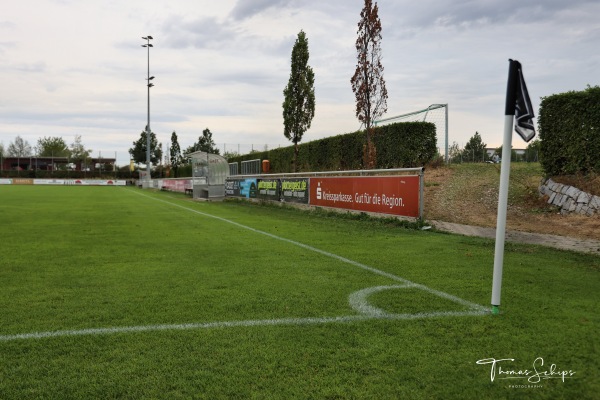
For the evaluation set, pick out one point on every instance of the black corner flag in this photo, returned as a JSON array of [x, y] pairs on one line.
[[519, 109], [518, 102]]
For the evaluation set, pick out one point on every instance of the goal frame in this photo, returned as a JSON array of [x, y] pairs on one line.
[[426, 111]]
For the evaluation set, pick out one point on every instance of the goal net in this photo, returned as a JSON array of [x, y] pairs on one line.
[[436, 114]]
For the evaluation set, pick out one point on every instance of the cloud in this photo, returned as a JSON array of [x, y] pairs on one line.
[[245, 9], [4, 46], [224, 64], [204, 32], [38, 66], [7, 25], [466, 14]]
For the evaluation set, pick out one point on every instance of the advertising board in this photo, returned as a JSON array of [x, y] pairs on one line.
[[48, 181], [396, 195], [95, 182], [269, 189], [82, 182], [241, 188], [176, 185], [22, 181], [295, 190]]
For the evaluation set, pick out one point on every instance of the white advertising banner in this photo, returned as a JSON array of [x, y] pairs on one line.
[[82, 182], [95, 182], [48, 181]]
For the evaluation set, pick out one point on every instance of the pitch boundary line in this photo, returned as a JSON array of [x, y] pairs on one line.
[[233, 324], [328, 254], [357, 300]]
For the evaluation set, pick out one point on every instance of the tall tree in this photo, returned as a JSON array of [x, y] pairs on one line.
[[205, 143], [299, 95], [475, 149], [455, 153], [367, 82], [78, 152], [19, 148], [138, 151], [230, 154], [533, 150], [175, 153], [52, 147]]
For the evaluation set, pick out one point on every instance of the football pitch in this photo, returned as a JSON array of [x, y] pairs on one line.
[[110, 292]]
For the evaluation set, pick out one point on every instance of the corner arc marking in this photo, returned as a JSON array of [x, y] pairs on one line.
[[358, 300]]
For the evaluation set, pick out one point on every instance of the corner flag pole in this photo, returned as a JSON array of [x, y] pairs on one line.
[[517, 101]]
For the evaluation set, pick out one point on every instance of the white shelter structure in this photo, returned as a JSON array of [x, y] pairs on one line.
[[209, 172]]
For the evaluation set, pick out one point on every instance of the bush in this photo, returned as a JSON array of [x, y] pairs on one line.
[[569, 126], [399, 145]]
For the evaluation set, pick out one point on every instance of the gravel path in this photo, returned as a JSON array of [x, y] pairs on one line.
[[559, 242]]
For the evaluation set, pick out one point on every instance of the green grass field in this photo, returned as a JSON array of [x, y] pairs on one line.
[[112, 292]]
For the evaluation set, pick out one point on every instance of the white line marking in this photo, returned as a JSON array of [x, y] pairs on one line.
[[357, 300], [328, 254], [233, 324], [173, 327]]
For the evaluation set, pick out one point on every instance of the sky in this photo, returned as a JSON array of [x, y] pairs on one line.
[[77, 67]]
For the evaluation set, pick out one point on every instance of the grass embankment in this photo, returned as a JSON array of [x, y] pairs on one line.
[[76, 258], [468, 194]]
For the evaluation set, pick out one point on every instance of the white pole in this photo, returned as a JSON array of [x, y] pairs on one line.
[[502, 207], [446, 154], [509, 116]]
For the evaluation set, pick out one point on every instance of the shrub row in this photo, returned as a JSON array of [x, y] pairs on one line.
[[399, 145], [569, 125]]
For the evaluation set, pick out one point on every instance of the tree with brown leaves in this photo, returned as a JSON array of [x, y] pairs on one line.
[[367, 82]]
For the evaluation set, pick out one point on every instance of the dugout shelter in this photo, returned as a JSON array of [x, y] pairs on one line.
[[209, 172]]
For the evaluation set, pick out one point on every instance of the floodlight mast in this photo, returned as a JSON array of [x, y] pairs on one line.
[[148, 130]]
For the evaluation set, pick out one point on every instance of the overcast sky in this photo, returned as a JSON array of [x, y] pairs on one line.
[[77, 67]]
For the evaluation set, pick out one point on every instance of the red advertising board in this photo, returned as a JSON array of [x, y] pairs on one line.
[[177, 185], [397, 195]]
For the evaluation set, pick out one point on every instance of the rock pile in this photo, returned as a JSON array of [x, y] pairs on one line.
[[569, 198]]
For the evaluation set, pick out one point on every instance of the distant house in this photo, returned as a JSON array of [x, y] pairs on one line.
[[35, 163], [490, 151]]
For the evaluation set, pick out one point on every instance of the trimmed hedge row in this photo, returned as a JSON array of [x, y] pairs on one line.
[[399, 145], [569, 125]]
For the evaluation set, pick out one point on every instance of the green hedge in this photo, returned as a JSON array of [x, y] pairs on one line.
[[399, 145], [569, 126]]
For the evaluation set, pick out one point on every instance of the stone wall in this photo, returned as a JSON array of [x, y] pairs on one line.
[[569, 198]]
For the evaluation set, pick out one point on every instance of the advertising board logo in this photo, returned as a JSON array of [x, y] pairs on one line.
[[319, 193]]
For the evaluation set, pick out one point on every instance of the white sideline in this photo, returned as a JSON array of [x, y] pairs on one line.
[[357, 300], [328, 254], [233, 324]]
